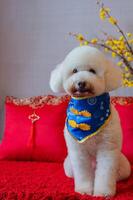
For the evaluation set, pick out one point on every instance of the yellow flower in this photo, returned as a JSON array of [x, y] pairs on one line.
[[94, 40], [121, 47], [112, 20], [86, 42], [106, 50], [115, 41], [114, 47], [106, 9], [103, 13], [120, 63], [121, 38], [109, 42], [127, 54], [129, 34], [130, 41], [127, 83], [127, 75], [102, 16], [126, 68], [130, 58], [113, 54], [80, 37]]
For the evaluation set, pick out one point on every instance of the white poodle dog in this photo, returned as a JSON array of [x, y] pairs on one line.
[[92, 129]]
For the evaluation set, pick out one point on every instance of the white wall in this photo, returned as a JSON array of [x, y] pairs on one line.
[[34, 38]]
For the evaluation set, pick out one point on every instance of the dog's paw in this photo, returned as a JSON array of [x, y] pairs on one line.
[[105, 192], [84, 189]]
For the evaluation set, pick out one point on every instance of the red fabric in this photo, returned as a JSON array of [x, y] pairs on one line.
[[46, 181], [42, 140], [126, 117]]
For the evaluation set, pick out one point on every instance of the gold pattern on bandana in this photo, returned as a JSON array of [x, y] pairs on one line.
[[82, 126], [84, 113]]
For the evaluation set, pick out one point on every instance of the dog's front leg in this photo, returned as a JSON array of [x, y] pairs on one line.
[[83, 172], [106, 172]]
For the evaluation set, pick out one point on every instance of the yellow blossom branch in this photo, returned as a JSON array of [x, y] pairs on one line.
[[120, 30], [121, 56], [121, 47], [113, 21], [96, 43]]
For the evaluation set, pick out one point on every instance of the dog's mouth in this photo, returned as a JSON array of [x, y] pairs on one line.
[[84, 92]]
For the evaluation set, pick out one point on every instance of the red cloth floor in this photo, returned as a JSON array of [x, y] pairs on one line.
[[40, 181]]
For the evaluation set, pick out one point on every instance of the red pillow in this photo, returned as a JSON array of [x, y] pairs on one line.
[[44, 140], [124, 106], [34, 129]]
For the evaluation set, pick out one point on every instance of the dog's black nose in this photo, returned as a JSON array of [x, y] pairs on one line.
[[81, 84]]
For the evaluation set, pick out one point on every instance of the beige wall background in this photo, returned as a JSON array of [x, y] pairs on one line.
[[34, 38]]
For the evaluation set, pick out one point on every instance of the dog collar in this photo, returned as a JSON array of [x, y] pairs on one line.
[[87, 116]]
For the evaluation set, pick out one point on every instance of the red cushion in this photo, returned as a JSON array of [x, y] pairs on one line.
[[124, 106], [41, 140], [126, 117], [44, 139], [47, 181]]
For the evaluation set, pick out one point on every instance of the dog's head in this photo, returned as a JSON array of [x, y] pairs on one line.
[[85, 72]]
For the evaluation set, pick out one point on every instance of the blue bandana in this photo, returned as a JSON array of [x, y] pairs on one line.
[[86, 116]]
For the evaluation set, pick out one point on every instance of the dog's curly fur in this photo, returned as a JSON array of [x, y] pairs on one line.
[[97, 163]]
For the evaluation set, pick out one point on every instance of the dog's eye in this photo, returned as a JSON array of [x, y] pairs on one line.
[[75, 70], [92, 71]]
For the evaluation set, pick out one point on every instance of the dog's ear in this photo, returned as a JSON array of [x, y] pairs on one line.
[[113, 76], [56, 82]]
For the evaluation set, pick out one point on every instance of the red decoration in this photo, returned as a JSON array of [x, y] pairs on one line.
[[33, 117]]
